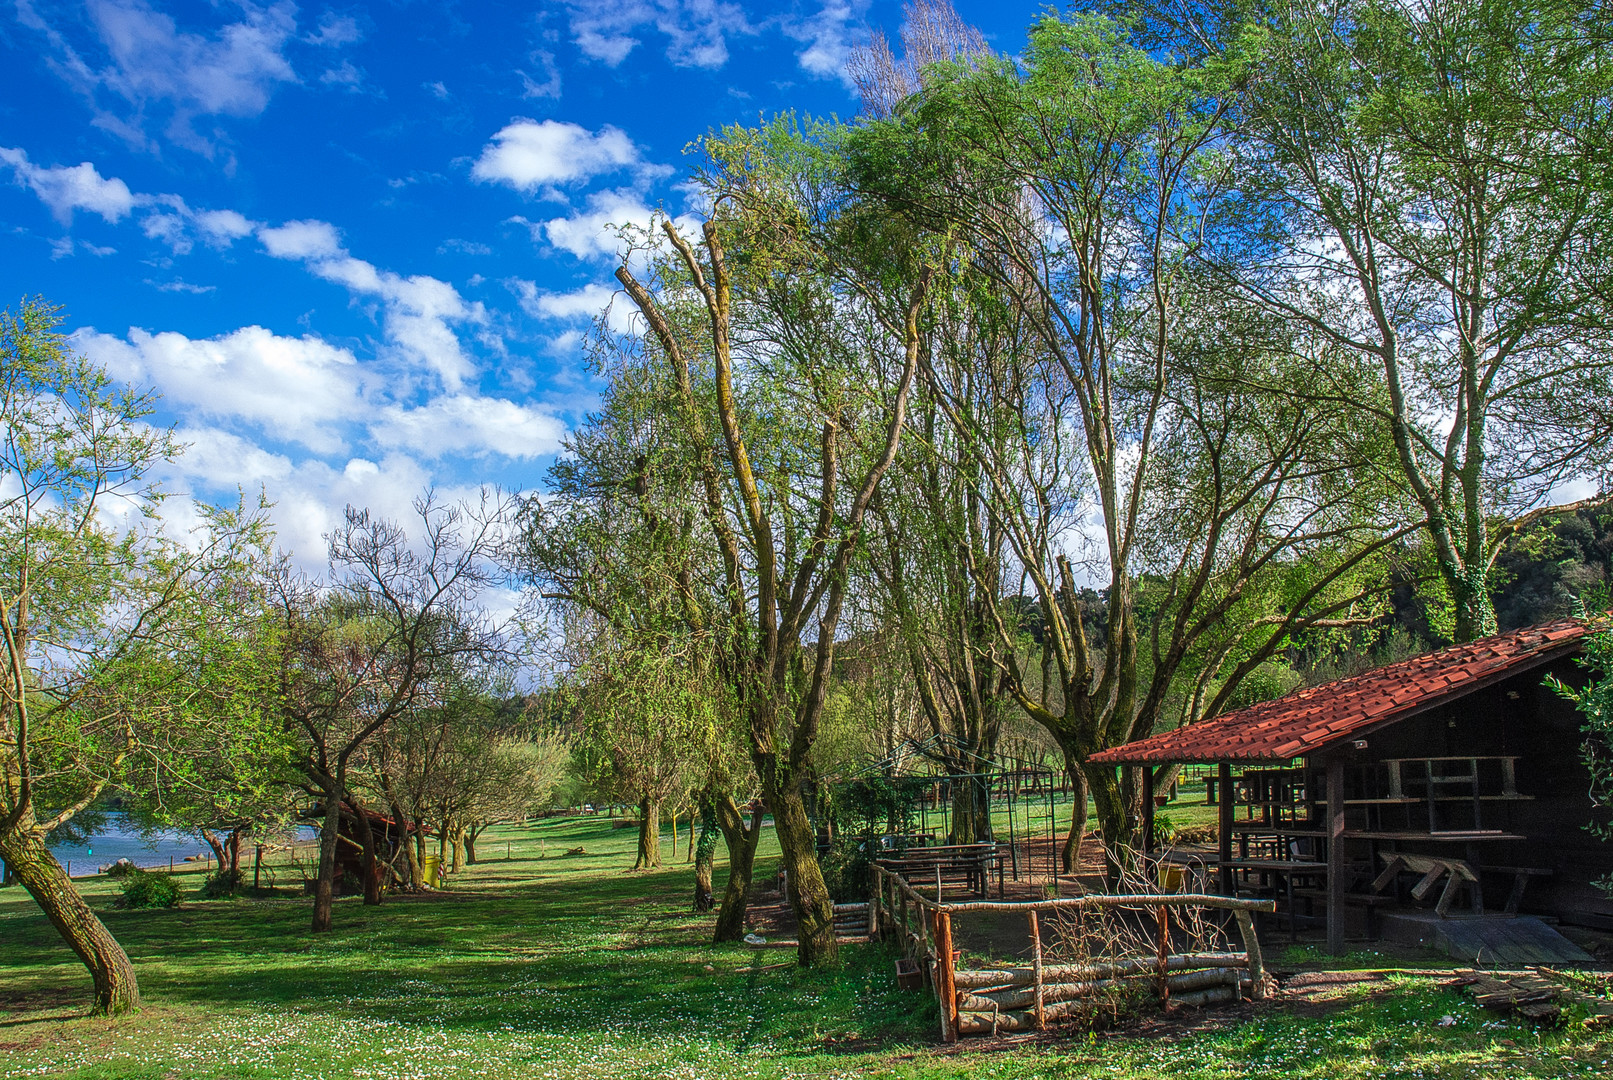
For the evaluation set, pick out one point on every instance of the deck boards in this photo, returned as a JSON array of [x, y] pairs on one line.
[[1505, 941]]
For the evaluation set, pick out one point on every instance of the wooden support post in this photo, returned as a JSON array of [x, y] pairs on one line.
[[876, 899], [946, 986], [1224, 816], [1251, 946], [1335, 856], [1163, 952], [1036, 972]]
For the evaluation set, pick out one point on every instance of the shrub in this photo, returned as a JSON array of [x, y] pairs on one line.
[[148, 889], [845, 871], [120, 869], [222, 884], [1164, 829]]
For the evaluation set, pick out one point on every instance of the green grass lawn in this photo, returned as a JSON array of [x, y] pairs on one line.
[[576, 968]]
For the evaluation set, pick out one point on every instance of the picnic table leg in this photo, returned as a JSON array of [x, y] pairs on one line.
[[1515, 897], [1430, 879], [1452, 883]]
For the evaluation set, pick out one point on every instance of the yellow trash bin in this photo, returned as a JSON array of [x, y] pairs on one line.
[[431, 870], [1172, 877]]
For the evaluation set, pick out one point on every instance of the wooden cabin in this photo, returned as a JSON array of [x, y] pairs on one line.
[[1444, 787]]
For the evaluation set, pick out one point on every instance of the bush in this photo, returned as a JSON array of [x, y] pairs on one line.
[[845, 871], [120, 869], [1164, 829], [222, 884], [147, 889]]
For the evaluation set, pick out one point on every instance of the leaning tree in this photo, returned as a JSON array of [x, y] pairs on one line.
[[121, 644]]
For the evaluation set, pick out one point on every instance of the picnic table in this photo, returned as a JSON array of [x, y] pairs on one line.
[[1457, 874], [967, 864]]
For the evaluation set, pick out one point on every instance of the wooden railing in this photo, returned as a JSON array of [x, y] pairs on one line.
[[1027, 998]]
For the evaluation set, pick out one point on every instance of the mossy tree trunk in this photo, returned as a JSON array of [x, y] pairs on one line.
[[649, 834], [741, 841], [809, 896]]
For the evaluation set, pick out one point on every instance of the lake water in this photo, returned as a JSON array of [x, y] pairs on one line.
[[120, 841]]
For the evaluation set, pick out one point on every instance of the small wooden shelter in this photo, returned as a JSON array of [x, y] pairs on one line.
[[1443, 786]]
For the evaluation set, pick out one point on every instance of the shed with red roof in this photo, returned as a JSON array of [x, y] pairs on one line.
[[1454, 776]]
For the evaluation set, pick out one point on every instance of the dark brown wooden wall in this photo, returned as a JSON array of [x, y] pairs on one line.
[[1519, 716]]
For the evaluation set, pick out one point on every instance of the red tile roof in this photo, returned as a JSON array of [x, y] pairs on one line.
[[1318, 716]]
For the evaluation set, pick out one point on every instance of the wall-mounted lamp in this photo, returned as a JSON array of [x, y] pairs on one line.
[[1360, 744]]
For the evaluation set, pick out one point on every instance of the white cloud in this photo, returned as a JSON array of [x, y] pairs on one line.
[[344, 74], [66, 188], [530, 154], [696, 30], [221, 460], [828, 38], [593, 232], [463, 424], [550, 86], [138, 64], [420, 311], [336, 30], [231, 73], [587, 303], [301, 240], [167, 218], [225, 225], [299, 390]]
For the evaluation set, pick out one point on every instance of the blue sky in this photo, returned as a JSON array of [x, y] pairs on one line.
[[355, 248]]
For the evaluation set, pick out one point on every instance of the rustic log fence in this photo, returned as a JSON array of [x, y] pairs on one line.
[[1019, 998]]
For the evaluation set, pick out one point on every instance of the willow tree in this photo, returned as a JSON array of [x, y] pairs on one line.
[[118, 641], [809, 356], [1435, 206], [1145, 459]]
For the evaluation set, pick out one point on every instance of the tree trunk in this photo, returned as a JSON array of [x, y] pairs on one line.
[[704, 853], [1071, 859], [1475, 610], [809, 897], [1114, 817], [216, 844], [457, 844], [325, 883], [741, 843], [235, 855], [971, 807], [28, 857], [372, 865], [649, 834], [469, 840]]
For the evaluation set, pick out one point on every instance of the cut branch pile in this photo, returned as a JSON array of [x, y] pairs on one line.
[[1121, 946]]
